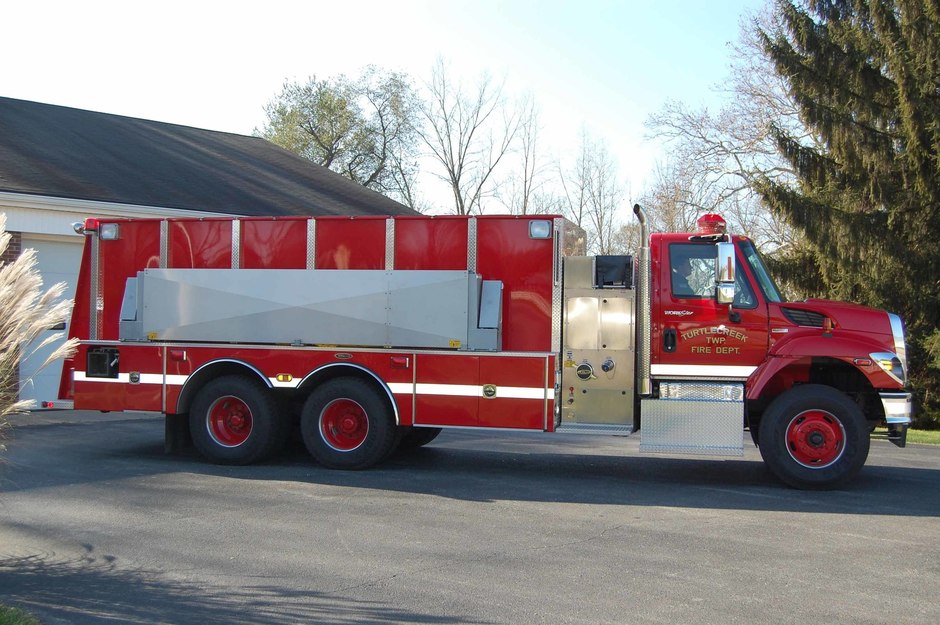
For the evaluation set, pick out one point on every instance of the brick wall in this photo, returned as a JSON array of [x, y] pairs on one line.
[[14, 248]]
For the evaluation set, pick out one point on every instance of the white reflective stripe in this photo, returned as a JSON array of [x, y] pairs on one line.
[[470, 390], [704, 371], [125, 378], [397, 388], [401, 388], [519, 392], [451, 390]]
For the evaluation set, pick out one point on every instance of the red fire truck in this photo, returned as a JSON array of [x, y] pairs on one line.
[[374, 333]]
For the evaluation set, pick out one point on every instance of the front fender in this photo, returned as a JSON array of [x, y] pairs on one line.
[[854, 349]]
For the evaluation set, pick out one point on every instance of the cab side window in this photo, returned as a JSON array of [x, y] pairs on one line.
[[743, 293], [692, 270]]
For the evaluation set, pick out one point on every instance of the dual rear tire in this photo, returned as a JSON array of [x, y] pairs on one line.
[[345, 423], [235, 419]]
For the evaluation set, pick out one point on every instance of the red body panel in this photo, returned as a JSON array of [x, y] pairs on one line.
[[505, 252], [435, 243], [274, 243], [350, 243], [205, 244]]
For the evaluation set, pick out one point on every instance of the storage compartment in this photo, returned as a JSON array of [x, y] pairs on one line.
[[102, 362]]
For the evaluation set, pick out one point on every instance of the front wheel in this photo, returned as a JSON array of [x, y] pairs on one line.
[[346, 424], [814, 437]]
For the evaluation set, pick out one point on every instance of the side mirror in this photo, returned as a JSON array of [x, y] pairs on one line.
[[725, 272]]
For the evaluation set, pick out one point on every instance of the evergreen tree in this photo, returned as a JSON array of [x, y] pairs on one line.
[[866, 77]]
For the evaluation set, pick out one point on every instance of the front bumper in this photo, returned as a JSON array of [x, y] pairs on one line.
[[898, 411]]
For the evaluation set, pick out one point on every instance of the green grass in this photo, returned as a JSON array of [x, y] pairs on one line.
[[921, 437], [924, 437], [12, 616]]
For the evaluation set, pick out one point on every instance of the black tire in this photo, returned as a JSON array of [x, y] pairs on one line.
[[814, 437], [415, 437], [235, 420], [347, 424]]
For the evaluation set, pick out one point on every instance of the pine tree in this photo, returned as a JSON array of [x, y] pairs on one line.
[[866, 76]]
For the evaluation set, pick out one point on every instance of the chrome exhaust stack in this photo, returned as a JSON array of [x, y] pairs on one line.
[[643, 315]]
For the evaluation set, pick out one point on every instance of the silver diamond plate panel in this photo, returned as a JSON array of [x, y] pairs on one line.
[[389, 244], [713, 428], [708, 391], [95, 316], [557, 293], [164, 243], [472, 245], [311, 243], [236, 243]]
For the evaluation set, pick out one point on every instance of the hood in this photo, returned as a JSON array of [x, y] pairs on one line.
[[844, 315]]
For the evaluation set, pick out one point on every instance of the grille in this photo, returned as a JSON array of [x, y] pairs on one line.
[[804, 317]]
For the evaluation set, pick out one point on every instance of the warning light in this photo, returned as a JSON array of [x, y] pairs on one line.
[[284, 377], [711, 223]]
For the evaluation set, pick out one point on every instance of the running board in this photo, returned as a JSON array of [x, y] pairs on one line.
[[605, 429]]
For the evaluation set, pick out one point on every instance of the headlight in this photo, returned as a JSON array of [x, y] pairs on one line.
[[891, 364], [900, 348]]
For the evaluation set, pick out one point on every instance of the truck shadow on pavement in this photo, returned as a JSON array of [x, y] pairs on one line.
[[628, 480], [94, 588]]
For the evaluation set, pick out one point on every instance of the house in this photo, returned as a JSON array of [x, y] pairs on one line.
[[59, 165]]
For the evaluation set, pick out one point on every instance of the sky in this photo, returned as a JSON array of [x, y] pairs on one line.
[[604, 66]]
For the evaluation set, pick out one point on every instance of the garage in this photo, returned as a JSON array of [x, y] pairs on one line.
[[58, 260]]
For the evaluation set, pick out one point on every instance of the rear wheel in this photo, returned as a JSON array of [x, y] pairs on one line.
[[814, 437], [234, 420], [346, 424]]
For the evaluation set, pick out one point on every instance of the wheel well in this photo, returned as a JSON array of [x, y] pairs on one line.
[[830, 372], [347, 370], [211, 371]]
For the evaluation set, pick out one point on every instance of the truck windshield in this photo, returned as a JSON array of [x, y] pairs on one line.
[[771, 292]]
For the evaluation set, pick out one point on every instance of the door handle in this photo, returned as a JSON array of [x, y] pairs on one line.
[[669, 340]]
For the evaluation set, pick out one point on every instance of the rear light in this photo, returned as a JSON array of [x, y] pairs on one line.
[[107, 231], [540, 229]]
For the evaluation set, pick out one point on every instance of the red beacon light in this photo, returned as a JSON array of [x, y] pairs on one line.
[[711, 223]]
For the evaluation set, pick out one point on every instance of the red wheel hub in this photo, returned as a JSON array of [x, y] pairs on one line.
[[344, 424], [229, 421], [815, 439]]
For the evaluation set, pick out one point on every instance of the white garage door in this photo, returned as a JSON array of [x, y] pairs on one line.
[[58, 262]]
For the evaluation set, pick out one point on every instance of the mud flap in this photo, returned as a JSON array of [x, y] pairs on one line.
[[177, 438]]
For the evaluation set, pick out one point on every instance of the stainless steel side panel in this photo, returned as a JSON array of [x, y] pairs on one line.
[[598, 332], [430, 309]]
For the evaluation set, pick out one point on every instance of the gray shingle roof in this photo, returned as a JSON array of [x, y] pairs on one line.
[[72, 153]]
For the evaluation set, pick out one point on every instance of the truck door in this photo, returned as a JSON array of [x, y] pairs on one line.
[[695, 337]]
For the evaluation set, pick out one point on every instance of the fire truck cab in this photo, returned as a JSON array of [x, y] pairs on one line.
[[374, 334]]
